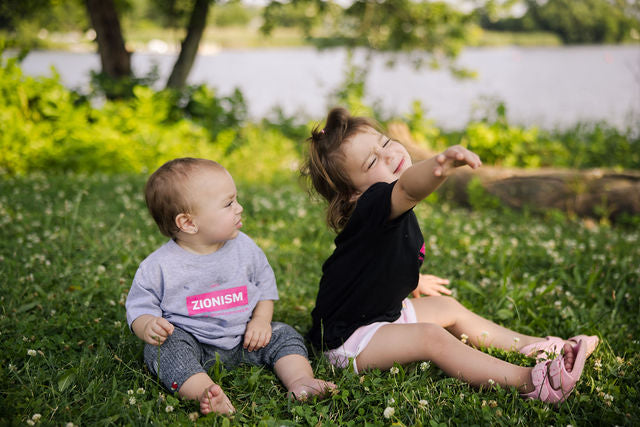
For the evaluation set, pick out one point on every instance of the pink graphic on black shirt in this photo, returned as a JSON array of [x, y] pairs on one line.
[[422, 251], [217, 300]]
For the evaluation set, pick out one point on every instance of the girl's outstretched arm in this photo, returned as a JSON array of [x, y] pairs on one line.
[[425, 177]]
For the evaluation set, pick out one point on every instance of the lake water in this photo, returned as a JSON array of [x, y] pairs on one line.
[[544, 86]]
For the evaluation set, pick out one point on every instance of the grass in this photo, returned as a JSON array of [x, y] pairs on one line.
[[71, 244]]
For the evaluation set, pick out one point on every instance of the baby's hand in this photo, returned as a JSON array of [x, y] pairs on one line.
[[431, 285], [258, 334], [454, 157], [157, 330]]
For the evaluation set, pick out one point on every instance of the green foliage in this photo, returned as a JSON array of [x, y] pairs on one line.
[[480, 198], [232, 13], [499, 143], [595, 145], [70, 245], [390, 26], [350, 93], [585, 21], [47, 127]]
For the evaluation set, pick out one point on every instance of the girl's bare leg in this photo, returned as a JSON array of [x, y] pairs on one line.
[[453, 316], [405, 343], [211, 397], [296, 374]]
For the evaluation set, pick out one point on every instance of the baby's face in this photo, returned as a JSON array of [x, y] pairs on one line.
[[372, 157], [217, 212]]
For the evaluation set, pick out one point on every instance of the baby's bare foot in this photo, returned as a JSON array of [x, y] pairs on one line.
[[569, 356], [213, 399], [306, 386]]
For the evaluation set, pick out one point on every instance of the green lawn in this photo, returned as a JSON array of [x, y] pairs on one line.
[[70, 245]]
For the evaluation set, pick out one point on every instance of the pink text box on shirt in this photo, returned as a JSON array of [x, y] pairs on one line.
[[217, 300]]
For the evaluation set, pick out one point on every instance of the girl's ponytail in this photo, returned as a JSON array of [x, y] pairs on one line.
[[324, 166]]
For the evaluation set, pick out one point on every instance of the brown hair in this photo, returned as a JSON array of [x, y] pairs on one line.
[[167, 192], [324, 164]]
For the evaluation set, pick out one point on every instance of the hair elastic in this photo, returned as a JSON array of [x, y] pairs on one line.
[[322, 131]]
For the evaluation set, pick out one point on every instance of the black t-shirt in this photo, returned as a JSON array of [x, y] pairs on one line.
[[375, 266]]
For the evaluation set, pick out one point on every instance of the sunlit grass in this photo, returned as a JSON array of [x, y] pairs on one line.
[[71, 244]]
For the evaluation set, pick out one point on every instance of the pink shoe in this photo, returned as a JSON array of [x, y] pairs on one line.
[[552, 382], [551, 347]]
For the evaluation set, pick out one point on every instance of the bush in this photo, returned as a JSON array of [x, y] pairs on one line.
[[47, 127], [587, 145]]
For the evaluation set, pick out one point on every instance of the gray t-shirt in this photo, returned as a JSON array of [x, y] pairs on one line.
[[211, 296]]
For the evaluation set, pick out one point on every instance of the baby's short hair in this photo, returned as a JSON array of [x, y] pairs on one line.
[[167, 194]]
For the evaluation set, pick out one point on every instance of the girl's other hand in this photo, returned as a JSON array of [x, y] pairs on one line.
[[431, 285]]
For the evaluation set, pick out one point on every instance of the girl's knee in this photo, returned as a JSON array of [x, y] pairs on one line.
[[432, 335]]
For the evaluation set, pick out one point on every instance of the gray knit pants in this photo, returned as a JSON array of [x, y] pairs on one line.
[[182, 356]]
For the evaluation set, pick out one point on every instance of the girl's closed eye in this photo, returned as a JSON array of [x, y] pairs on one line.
[[373, 161]]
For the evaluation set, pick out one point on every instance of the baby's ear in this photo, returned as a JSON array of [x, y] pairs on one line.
[[185, 223]]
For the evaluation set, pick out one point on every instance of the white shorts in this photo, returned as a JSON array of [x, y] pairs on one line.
[[360, 338]]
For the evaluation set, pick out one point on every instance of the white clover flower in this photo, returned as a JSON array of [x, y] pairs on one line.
[[36, 417], [484, 334], [168, 409], [516, 340], [129, 392], [391, 401], [140, 390], [464, 338], [491, 382], [424, 366], [193, 416], [394, 370], [117, 324], [423, 404], [31, 352], [69, 424], [132, 401], [388, 412], [30, 422], [101, 269]]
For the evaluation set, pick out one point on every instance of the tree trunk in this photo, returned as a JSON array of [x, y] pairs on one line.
[[592, 193], [189, 48], [116, 61]]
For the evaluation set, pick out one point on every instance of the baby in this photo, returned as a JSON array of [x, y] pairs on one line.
[[208, 292]]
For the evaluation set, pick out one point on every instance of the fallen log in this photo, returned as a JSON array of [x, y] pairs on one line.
[[594, 193]]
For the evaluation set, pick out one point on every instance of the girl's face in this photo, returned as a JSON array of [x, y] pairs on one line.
[[372, 157]]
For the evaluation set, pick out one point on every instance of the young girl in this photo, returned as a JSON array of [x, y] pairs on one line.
[[362, 313]]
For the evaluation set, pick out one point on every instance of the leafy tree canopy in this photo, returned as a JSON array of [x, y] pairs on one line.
[[382, 25], [584, 21]]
